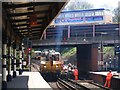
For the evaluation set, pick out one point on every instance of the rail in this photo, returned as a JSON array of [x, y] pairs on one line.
[[81, 84], [66, 84], [89, 85]]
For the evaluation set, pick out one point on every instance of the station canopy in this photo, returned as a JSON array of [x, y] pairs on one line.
[[30, 19]]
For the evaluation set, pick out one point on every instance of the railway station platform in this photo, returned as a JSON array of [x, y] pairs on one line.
[[28, 81], [100, 77], [116, 75]]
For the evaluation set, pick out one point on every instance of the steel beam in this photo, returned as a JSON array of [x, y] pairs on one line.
[[25, 4], [26, 13], [23, 20]]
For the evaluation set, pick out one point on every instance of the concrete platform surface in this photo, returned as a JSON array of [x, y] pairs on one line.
[[116, 75], [29, 81]]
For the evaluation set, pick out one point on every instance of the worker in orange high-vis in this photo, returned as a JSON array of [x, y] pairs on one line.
[[108, 79], [76, 73]]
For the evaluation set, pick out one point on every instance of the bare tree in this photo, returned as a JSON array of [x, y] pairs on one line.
[[77, 5], [116, 17]]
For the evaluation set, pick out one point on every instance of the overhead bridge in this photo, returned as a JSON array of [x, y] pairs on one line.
[[46, 43], [108, 34]]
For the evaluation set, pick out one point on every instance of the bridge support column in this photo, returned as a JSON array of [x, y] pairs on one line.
[[87, 57], [83, 59], [14, 58], [94, 57], [9, 77], [20, 60]]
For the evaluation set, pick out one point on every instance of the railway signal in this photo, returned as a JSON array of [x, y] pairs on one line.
[[117, 50], [29, 44], [29, 49], [29, 53]]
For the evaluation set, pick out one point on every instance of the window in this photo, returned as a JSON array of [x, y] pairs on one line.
[[82, 14], [98, 13], [77, 14], [88, 13], [62, 15], [92, 13], [69, 15], [107, 12]]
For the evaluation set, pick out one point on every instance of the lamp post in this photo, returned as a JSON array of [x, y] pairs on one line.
[[106, 65], [110, 62], [102, 33], [101, 49], [99, 58], [115, 63]]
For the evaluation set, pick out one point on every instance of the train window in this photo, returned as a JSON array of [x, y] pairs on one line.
[[43, 58], [53, 57], [57, 57]]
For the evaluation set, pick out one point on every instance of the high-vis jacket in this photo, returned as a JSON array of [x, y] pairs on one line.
[[109, 76], [75, 72]]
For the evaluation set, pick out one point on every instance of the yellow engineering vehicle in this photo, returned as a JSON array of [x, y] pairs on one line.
[[51, 62]]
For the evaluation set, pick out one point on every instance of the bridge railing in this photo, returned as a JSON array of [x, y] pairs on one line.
[[104, 38]]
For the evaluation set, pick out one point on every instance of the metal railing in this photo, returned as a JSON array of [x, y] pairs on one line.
[[88, 39]]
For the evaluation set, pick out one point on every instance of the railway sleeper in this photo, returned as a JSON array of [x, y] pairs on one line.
[[82, 83], [66, 85]]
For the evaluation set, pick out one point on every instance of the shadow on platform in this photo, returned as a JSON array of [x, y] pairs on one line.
[[18, 83]]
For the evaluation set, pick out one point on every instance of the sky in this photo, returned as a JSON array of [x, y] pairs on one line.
[[104, 3], [110, 4]]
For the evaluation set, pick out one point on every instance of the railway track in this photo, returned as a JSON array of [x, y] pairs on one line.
[[81, 85], [69, 84], [56, 86], [35, 66]]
